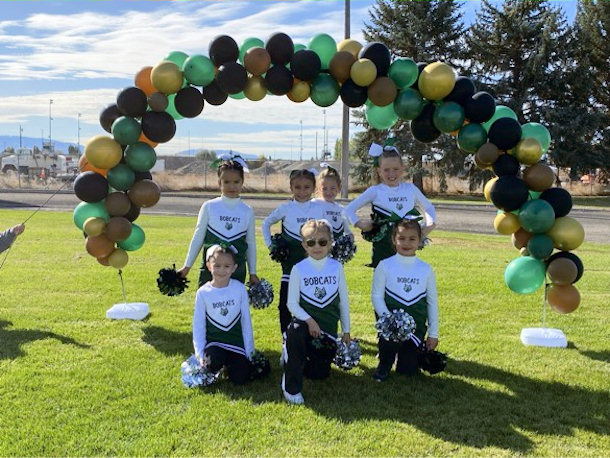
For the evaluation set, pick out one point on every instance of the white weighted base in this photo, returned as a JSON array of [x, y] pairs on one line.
[[128, 311], [544, 337]]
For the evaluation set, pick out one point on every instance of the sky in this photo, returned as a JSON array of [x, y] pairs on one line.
[[81, 53]]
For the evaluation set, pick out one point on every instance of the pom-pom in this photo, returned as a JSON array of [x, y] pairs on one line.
[[396, 326], [196, 375], [325, 345], [382, 227], [259, 365], [279, 249], [343, 249], [260, 294], [170, 282], [348, 356], [431, 361]]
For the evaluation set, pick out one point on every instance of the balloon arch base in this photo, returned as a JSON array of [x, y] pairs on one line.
[[544, 337], [128, 311]]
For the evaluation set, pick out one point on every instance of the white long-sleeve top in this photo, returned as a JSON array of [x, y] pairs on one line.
[[211, 217], [292, 214], [322, 268], [334, 213], [223, 308], [413, 274], [400, 199]]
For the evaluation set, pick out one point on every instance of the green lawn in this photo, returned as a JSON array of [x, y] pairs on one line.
[[74, 383]]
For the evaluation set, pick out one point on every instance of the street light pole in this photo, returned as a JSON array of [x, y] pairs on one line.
[[345, 124], [50, 119], [301, 152], [20, 131]]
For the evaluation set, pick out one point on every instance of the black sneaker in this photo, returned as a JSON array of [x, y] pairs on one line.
[[381, 374]]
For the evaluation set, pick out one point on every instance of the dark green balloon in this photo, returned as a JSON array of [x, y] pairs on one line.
[[540, 246], [126, 130], [121, 177], [141, 157], [135, 240], [448, 117], [403, 72], [471, 137], [536, 216], [324, 90], [409, 104], [177, 57]]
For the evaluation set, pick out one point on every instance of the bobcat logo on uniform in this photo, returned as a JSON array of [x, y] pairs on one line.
[[224, 311], [228, 226], [407, 288], [320, 292], [399, 206], [335, 218]]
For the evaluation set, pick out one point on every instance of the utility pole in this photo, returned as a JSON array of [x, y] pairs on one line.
[[301, 152], [19, 154], [345, 125], [20, 131], [324, 138], [78, 134], [316, 145], [50, 119]]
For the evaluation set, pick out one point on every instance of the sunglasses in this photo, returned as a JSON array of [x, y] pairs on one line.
[[312, 242]]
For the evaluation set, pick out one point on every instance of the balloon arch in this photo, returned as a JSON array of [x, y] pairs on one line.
[[115, 181]]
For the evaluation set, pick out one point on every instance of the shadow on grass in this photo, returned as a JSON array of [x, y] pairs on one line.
[[603, 356], [11, 340], [169, 342]]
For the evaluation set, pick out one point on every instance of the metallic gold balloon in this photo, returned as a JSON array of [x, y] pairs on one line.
[[487, 188], [255, 88], [341, 65], [563, 298], [299, 92], [562, 271], [506, 223], [567, 233], [539, 177], [363, 72], [436, 81], [94, 226], [103, 152], [349, 45], [167, 77], [528, 151], [487, 153], [118, 258]]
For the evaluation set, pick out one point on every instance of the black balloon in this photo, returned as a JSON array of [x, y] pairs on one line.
[[505, 133], [506, 164], [280, 48], [133, 213], [279, 80], [423, 128], [132, 101], [232, 77], [214, 95], [463, 90], [560, 200], [420, 68], [379, 54], [480, 107], [108, 115], [223, 49], [305, 64], [572, 257], [353, 95], [158, 127], [90, 187], [142, 176], [508, 193], [189, 102]]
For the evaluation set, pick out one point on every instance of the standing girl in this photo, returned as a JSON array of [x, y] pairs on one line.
[[293, 214], [329, 185], [226, 220], [391, 200], [222, 327]]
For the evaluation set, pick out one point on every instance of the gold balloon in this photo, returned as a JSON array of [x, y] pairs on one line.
[[436, 81], [118, 258], [528, 151], [383, 91], [340, 66], [257, 61], [103, 152], [167, 77], [94, 226], [255, 89], [487, 188], [487, 153], [363, 72], [562, 271], [506, 223], [538, 177], [351, 46], [299, 92], [567, 233], [520, 238], [563, 298]]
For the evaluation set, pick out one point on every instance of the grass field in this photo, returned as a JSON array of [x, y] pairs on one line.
[[74, 383]]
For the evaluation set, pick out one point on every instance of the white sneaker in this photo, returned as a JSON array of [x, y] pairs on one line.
[[296, 399]]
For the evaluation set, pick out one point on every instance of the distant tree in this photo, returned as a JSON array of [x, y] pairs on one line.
[[206, 155], [9, 150], [73, 150], [36, 150]]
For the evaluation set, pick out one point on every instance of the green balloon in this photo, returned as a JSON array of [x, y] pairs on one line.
[[403, 72], [199, 70], [238, 96], [536, 216], [140, 157], [177, 57], [408, 104], [524, 275], [540, 246], [86, 210], [448, 117], [534, 194], [501, 112], [381, 118], [247, 44], [171, 107], [135, 240], [126, 130], [325, 47], [471, 137], [121, 177], [537, 131], [299, 46], [324, 90]]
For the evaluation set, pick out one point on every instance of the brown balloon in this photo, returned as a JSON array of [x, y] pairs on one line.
[[144, 193], [480, 164], [117, 203], [340, 65], [382, 92], [157, 101], [539, 177], [99, 246], [563, 298], [562, 271], [520, 238], [103, 261], [487, 154], [257, 60], [117, 228]]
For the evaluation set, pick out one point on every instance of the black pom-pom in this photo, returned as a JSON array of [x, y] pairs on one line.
[[260, 294], [170, 282], [279, 249], [325, 346], [343, 249], [260, 366], [431, 361]]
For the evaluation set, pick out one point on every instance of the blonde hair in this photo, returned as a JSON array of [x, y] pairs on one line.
[[316, 225], [330, 172], [387, 153]]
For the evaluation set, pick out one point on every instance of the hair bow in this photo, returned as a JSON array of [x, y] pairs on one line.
[[313, 171], [211, 250], [230, 157]]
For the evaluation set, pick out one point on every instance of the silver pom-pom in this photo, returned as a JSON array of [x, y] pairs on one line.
[[260, 294], [343, 249], [195, 375], [396, 326], [348, 356]]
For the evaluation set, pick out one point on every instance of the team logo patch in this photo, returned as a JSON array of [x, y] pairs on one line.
[[399, 206], [407, 288], [228, 226], [224, 311], [335, 218], [320, 292]]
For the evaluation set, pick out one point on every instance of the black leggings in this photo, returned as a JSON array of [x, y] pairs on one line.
[[238, 366]]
